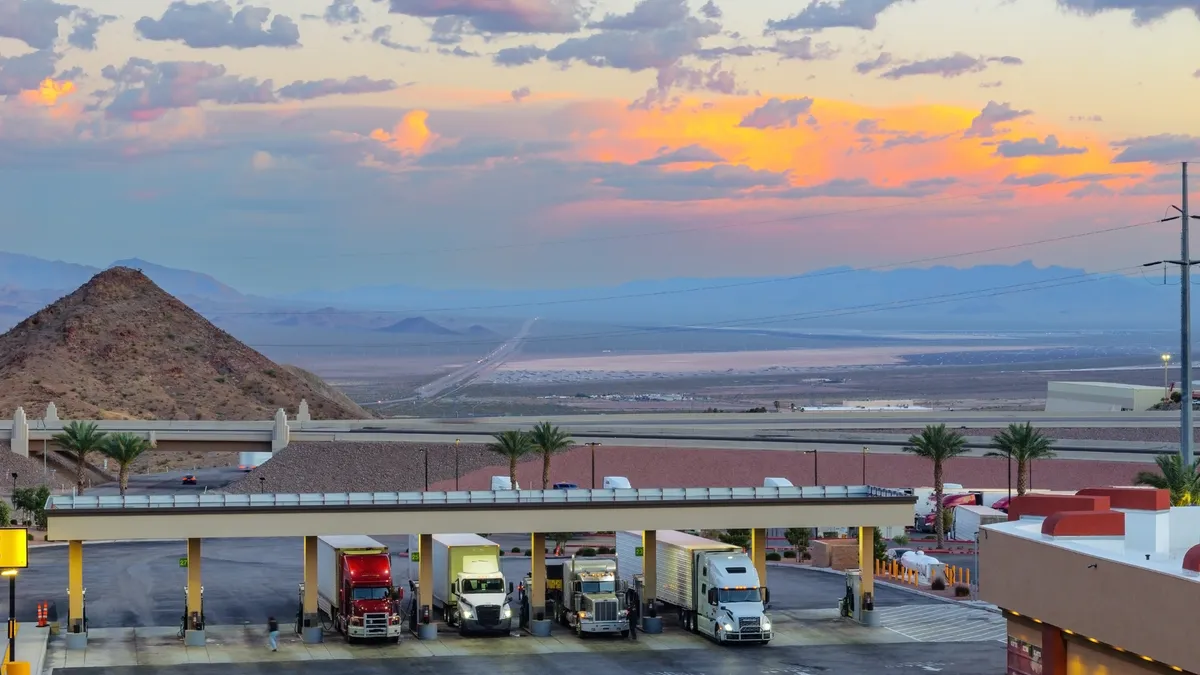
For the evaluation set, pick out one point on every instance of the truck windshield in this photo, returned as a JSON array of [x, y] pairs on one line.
[[483, 586], [599, 587], [359, 593], [739, 595]]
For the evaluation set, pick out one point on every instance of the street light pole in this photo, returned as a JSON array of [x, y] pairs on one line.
[[426, 454], [593, 445], [864, 465], [1166, 359], [456, 441], [12, 614], [1009, 455]]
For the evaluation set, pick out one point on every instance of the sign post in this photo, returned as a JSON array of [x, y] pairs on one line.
[[14, 556]]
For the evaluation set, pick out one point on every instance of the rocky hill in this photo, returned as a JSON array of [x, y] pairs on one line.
[[120, 347]]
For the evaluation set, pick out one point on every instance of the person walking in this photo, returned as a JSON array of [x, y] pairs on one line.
[[633, 610], [273, 634]]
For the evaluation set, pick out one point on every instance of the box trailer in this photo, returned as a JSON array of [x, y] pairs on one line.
[[968, 520], [713, 586], [248, 461], [354, 588], [468, 585]]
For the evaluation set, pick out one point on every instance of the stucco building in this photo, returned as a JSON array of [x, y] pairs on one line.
[[1104, 582]]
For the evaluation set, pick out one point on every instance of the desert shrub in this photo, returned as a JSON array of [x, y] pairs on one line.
[[901, 540], [789, 554], [774, 556], [938, 585], [829, 534], [587, 552], [961, 591], [528, 552], [1176, 397]]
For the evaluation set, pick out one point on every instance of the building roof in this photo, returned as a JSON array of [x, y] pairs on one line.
[[1110, 385]]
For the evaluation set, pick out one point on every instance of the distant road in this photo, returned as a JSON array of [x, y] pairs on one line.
[[484, 366]]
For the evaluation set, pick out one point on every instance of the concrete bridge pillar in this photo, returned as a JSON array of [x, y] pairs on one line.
[[52, 415], [281, 434], [20, 433], [302, 413]]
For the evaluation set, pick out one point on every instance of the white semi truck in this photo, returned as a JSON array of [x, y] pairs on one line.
[[713, 586], [468, 586], [248, 461]]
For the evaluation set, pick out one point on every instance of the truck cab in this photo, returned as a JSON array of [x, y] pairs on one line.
[[355, 588], [592, 599], [730, 598], [481, 602]]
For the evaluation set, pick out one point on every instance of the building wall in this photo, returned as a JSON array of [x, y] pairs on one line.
[[1059, 587], [1086, 659], [1099, 397], [838, 554]]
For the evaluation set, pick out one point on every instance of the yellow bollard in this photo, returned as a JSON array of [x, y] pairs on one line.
[[968, 577], [16, 668]]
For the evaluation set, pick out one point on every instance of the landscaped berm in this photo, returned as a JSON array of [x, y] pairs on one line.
[[120, 347]]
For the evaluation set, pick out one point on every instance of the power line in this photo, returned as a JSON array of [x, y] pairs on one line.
[[711, 287], [1070, 280], [659, 233]]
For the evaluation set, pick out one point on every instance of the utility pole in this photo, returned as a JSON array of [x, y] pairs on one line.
[[1185, 262]]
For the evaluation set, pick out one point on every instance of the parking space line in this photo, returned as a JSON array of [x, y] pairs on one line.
[[944, 623]]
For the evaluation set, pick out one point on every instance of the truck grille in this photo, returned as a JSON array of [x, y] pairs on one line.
[[488, 615], [605, 610], [376, 623], [749, 624]]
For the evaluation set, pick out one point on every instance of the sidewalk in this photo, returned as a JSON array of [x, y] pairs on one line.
[[32, 643]]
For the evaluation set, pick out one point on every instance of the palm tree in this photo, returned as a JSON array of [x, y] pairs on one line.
[[80, 439], [1183, 482], [124, 449], [514, 445], [937, 445], [1022, 444], [547, 440]]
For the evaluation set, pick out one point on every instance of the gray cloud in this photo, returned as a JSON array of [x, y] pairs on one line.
[[521, 94], [870, 127], [949, 66], [715, 53], [991, 85], [691, 153], [213, 23], [1086, 118], [778, 113], [984, 124], [1091, 190], [34, 22], [341, 12], [1096, 177], [647, 15], [383, 36], [821, 14], [519, 56], [1159, 148], [1162, 184], [360, 84], [639, 182], [926, 183], [919, 138], [144, 90], [1034, 180], [803, 49], [878, 63], [1144, 11], [499, 16], [1196, 73], [636, 50], [457, 51], [861, 187], [1032, 147], [448, 30], [25, 72], [711, 11], [474, 151], [87, 24]]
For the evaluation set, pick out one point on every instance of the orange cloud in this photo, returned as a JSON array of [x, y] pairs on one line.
[[411, 136], [48, 93]]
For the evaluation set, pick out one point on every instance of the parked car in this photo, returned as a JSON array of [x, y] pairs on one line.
[[566, 486]]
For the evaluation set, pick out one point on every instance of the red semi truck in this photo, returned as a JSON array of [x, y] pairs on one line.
[[354, 588]]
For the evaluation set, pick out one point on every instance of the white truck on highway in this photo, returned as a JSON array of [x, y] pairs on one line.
[[468, 586], [248, 461], [714, 586]]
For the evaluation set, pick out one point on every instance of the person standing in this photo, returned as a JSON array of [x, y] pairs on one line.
[[273, 634], [633, 610]]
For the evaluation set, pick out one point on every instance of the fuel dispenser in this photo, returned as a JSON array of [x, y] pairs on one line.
[[78, 624], [196, 620], [850, 605], [300, 610]]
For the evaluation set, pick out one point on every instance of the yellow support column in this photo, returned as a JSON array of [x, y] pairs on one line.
[[425, 588], [537, 577], [76, 637], [311, 629], [758, 553], [866, 559], [651, 623], [194, 636]]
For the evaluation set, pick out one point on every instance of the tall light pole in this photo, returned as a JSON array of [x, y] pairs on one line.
[[456, 442], [593, 445], [1166, 359], [816, 479], [864, 465]]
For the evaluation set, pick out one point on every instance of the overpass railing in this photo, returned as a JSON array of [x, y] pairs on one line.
[[498, 497]]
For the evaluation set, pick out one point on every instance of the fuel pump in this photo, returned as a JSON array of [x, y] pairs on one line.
[[412, 606], [300, 610], [523, 599], [79, 624], [196, 620]]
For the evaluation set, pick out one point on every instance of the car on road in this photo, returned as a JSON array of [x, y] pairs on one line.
[[566, 486], [189, 479]]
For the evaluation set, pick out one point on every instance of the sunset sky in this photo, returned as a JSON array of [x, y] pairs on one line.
[[289, 145]]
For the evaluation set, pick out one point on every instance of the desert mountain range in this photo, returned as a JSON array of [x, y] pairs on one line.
[[120, 347]]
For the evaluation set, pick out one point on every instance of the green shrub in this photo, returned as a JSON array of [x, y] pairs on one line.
[[789, 554], [515, 549], [774, 556], [938, 584], [901, 540], [961, 591], [829, 534], [587, 552], [528, 552]]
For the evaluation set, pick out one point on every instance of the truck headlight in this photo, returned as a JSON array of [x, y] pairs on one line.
[[727, 626], [507, 612], [623, 613], [465, 612], [766, 623]]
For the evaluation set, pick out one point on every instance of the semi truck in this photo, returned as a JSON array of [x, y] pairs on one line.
[[354, 588], [468, 586], [588, 598], [714, 587], [248, 461]]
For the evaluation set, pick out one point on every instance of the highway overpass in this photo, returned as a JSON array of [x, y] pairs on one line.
[[784, 431]]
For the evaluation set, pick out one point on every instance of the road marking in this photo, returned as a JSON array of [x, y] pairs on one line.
[[944, 623]]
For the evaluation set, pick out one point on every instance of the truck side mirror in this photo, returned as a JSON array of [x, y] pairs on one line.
[[510, 587], [766, 596]]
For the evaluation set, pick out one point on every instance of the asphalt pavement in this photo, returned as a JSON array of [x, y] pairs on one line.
[[171, 483], [247, 580], [979, 658]]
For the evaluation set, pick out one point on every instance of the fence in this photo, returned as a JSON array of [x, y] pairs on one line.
[[892, 570]]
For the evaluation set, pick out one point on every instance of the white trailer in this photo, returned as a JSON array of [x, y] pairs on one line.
[[714, 586], [248, 461], [468, 586], [968, 520]]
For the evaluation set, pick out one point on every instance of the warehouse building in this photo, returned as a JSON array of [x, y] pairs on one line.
[[1103, 582], [1067, 397]]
